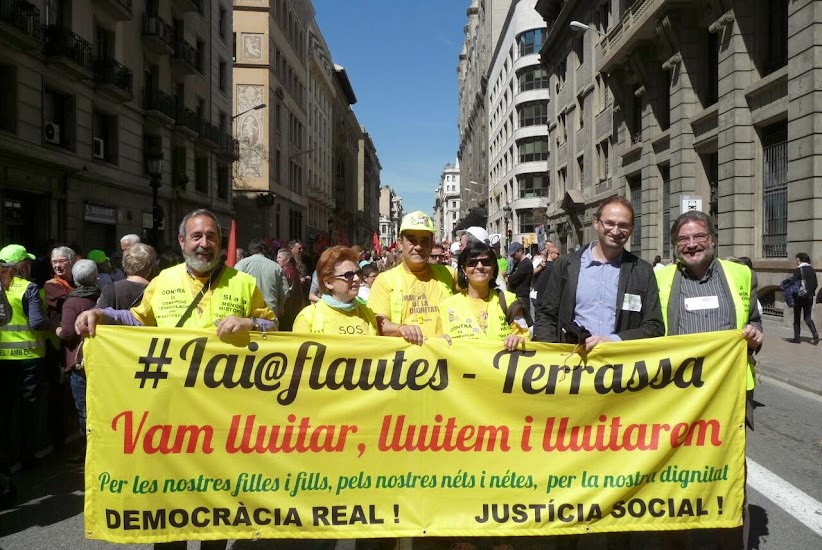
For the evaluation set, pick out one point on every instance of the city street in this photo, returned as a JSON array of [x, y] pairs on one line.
[[785, 488]]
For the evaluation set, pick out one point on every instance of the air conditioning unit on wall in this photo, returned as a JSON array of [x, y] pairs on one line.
[[99, 148], [51, 133]]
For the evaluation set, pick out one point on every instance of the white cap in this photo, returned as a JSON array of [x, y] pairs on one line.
[[478, 232], [455, 248]]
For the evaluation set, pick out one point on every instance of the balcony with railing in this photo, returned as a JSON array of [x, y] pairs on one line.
[[186, 58], [159, 106], [113, 79], [209, 135], [158, 36], [20, 24], [119, 10], [637, 24], [228, 146], [186, 120], [68, 51]]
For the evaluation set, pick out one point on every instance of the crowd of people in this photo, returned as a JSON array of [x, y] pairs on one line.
[[416, 290]]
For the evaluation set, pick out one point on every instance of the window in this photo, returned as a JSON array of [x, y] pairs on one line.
[[200, 55], [234, 47], [601, 96], [581, 171], [532, 78], [179, 168], [532, 185], [533, 113], [562, 129], [8, 98], [562, 179], [531, 41], [152, 144], [223, 75], [529, 220], [636, 118], [533, 149], [581, 112], [665, 176], [201, 174], [602, 17], [58, 118], [222, 23], [104, 136], [603, 152], [711, 90], [579, 49], [777, 35], [775, 191], [223, 182], [635, 186], [560, 73]]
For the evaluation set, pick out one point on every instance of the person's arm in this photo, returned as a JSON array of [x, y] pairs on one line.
[[67, 334], [34, 309], [651, 324], [518, 276], [547, 314], [5, 308]]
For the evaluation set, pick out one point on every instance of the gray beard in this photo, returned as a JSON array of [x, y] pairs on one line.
[[201, 266]]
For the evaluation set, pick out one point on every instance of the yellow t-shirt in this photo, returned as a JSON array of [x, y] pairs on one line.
[[420, 297], [464, 317], [320, 318]]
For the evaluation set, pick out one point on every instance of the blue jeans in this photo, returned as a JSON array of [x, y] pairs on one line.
[[77, 381]]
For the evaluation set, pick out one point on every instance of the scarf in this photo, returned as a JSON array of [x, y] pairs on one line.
[[332, 302], [63, 283], [85, 292]]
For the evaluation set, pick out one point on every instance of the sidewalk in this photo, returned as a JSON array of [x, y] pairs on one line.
[[799, 365]]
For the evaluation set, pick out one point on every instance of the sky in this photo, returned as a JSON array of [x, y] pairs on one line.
[[401, 59]]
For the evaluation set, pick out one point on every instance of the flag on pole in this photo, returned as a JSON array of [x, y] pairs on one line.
[[231, 253], [375, 240]]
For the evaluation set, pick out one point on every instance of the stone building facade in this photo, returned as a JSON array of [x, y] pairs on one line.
[[89, 90], [391, 214], [705, 104], [447, 203]]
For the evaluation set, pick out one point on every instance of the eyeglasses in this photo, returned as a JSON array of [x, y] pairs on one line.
[[609, 225], [436, 256], [699, 238], [474, 262], [348, 275]]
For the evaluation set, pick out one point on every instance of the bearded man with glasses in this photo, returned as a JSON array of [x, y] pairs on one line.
[[601, 293]]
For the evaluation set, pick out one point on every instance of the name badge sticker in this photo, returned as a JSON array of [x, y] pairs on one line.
[[632, 302], [702, 302]]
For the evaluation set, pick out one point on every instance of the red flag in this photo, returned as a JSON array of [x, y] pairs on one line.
[[231, 253], [375, 240]]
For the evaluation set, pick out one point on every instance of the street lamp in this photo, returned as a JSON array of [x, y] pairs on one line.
[[255, 108], [578, 26], [155, 171]]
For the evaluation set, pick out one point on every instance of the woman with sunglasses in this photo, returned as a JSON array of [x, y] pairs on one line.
[[478, 312], [338, 311]]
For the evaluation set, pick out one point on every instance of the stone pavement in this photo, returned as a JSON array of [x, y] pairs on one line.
[[799, 365]]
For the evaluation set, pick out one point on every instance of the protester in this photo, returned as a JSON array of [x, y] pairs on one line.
[[294, 301], [60, 286], [657, 264], [82, 298], [602, 292], [519, 279], [369, 275], [213, 292], [437, 254], [21, 352], [103, 267], [338, 311], [805, 276], [139, 263], [405, 298], [268, 274], [701, 293], [542, 282], [480, 310]]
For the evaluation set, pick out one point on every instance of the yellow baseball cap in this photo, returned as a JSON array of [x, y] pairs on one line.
[[417, 221]]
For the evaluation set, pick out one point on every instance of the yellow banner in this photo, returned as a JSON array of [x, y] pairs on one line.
[[284, 436]]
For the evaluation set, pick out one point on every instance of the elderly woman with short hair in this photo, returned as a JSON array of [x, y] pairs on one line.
[[140, 265], [82, 298], [338, 311]]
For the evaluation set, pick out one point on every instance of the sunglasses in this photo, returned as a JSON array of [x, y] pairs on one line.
[[348, 275], [474, 262], [436, 256]]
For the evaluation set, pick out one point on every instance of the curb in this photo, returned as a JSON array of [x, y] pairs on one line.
[[766, 370]]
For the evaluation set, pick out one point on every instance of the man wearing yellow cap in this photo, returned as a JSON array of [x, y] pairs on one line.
[[22, 348], [405, 298]]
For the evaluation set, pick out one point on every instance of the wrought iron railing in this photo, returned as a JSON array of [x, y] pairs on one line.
[[155, 26], [229, 145], [21, 15], [186, 117], [60, 41], [109, 71], [209, 132], [187, 53], [155, 100], [775, 201]]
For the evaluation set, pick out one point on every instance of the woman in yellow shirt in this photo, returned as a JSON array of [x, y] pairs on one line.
[[338, 311], [481, 311]]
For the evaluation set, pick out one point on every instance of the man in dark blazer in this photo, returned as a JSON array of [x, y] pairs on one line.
[[519, 278], [603, 288]]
